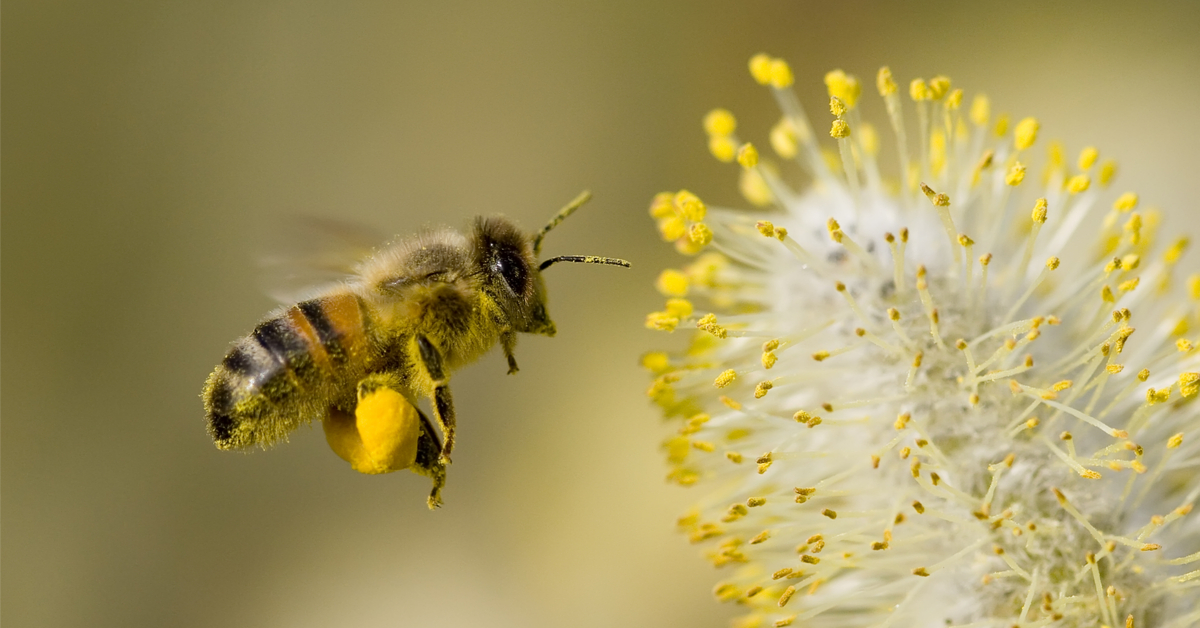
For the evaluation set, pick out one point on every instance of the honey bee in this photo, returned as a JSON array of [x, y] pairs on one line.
[[359, 356]]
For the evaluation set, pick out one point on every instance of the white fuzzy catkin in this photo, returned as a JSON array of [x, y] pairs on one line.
[[919, 399]]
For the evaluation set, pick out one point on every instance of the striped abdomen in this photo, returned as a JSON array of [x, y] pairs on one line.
[[287, 372]]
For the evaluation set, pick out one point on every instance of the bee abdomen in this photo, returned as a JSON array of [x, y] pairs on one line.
[[285, 372]]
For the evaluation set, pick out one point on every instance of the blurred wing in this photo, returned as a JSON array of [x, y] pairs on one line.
[[304, 254]]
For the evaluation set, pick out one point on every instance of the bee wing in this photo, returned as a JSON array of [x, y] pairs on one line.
[[304, 254]]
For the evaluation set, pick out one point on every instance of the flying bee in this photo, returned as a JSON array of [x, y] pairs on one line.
[[360, 356]]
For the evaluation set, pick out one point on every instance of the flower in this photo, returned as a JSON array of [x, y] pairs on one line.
[[922, 402]]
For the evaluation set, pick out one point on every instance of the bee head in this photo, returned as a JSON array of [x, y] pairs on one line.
[[508, 260]]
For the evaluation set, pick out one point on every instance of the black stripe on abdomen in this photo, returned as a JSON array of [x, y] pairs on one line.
[[279, 341], [327, 335]]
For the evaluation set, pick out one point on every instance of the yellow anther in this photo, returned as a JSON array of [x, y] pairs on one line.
[[662, 321], [766, 228], [769, 359], [754, 188], [747, 155], [1106, 295], [786, 595], [719, 122], [820, 356], [840, 129], [1056, 153], [885, 83], [843, 86], [700, 233], [1184, 345], [1040, 210], [656, 362], [1175, 441], [679, 308], [1131, 261], [918, 90], [725, 378], [1025, 133], [1078, 183], [755, 502], [1126, 202], [734, 457], [722, 147], [781, 74], [760, 68], [1129, 286], [954, 99], [1015, 175], [1113, 369], [1088, 157], [1189, 384], [663, 205], [690, 205], [709, 324], [1001, 125], [939, 86], [760, 390], [893, 314], [920, 571], [672, 228], [672, 283], [1173, 253], [832, 514], [1108, 170], [1059, 387], [1053, 263], [704, 446], [964, 240], [837, 106], [783, 139], [981, 110], [902, 421], [940, 200], [729, 403]]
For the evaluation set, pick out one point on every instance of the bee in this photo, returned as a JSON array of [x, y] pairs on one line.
[[359, 356]]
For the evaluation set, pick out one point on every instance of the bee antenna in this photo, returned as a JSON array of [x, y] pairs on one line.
[[584, 259], [562, 214]]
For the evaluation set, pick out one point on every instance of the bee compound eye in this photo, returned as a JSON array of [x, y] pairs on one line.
[[510, 266]]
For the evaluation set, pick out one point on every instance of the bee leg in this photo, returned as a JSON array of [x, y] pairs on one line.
[[427, 463], [443, 403], [508, 340]]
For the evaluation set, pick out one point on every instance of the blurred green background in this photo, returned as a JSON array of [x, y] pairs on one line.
[[147, 146]]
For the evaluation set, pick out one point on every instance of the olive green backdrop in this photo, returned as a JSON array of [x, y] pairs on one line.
[[147, 147]]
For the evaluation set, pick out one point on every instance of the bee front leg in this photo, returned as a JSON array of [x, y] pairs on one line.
[[508, 340], [443, 403]]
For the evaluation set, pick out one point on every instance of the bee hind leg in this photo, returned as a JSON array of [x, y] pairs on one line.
[[427, 462], [443, 403], [508, 340]]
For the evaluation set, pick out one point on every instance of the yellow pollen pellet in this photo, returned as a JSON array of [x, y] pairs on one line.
[[761, 389], [885, 83], [725, 378], [1015, 175], [1025, 133], [1088, 157], [720, 122], [840, 129], [781, 74]]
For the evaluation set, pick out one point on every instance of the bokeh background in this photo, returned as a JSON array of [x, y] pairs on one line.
[[149, 147]]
